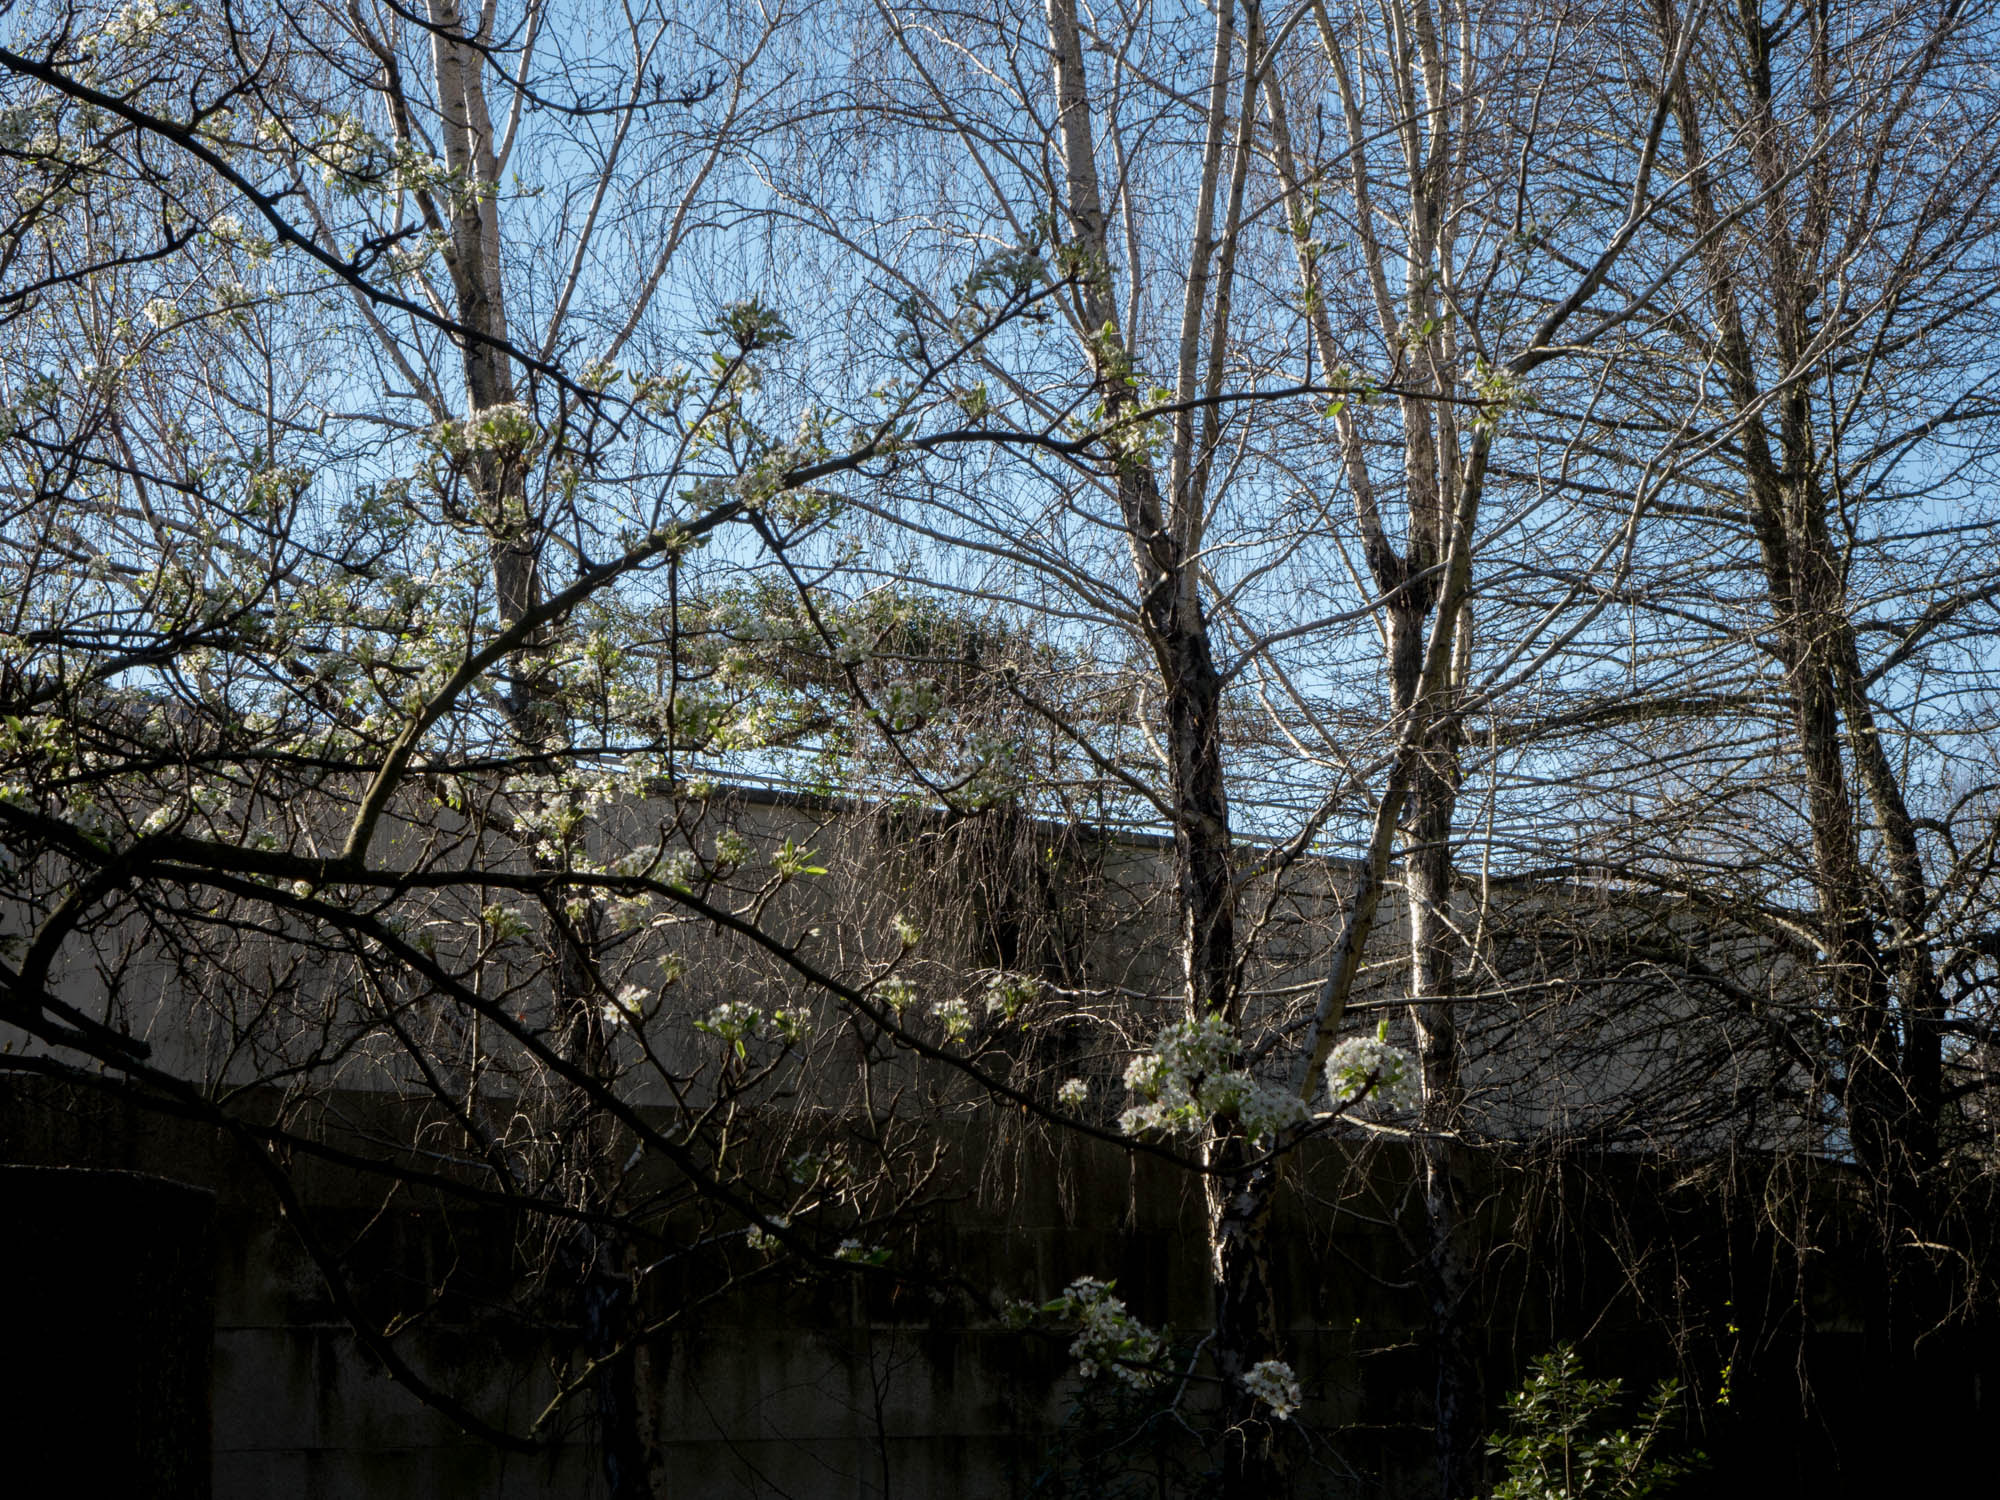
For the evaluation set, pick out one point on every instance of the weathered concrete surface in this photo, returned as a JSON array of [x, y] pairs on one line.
[[831, 1390], [845, 1388], [841, 1388]]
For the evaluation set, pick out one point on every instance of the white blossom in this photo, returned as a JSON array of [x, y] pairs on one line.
[[733, 1021], [227, 229], [18, 126], [1370, 1069], [506, 428], [791, 1024], [1108, 1337], [1266, 1110], [505, 921], [1007, 993], [162, 817], [417, 170], [955, 1016], [132, 24], [1272, 1382], [637, 861], [1186, 1081], [343, 149], [1074, 1094], [629, 1006]]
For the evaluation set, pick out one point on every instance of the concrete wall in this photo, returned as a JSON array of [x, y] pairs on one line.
[[835, 1388], [851, 1387], [841, 1387]]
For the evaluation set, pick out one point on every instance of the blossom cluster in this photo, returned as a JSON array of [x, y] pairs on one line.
[[1007, 993], [629, 1007], [507, 430], [732, 1021], [631, 1004], [1272, 1382], [955, 1016], [1371, 1069], [134, 23], [203, 799], [505, 921], [228, 229], [1108, 1337], [1187, 1080], [896, 993], [738, 1022], [676, 868]]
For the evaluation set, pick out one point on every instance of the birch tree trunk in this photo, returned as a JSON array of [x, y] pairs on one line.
[[1434, 469], [1164, 539]]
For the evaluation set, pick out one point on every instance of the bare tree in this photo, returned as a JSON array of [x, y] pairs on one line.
[[1260, 324], [1844, 319]]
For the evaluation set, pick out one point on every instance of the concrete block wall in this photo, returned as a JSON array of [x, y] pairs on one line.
[[834, 1388]]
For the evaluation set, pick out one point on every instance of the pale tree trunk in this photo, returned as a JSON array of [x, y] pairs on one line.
[[473, 260], [1424, 583], [1435, 474], [1451, 1245], [623, 1380], [1164, 540]]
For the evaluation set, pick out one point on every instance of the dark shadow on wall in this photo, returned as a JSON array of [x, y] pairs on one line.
[[109, 1319]]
